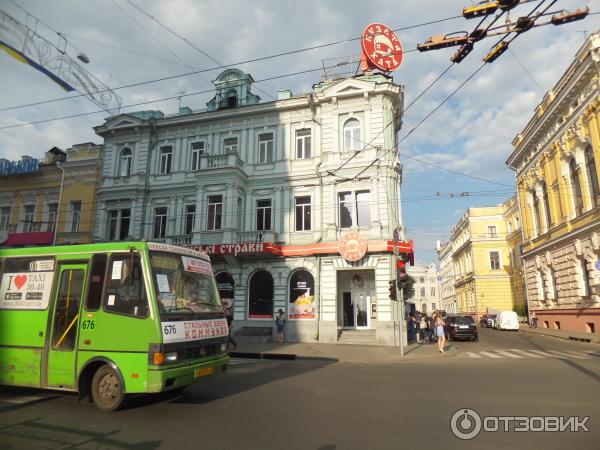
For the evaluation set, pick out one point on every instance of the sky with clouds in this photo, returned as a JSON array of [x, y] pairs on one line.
[[470, 135]]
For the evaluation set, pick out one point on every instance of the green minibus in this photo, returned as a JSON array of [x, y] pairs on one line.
[[109, 319]]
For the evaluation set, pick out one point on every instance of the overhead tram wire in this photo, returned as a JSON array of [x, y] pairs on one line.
[[248, 61]]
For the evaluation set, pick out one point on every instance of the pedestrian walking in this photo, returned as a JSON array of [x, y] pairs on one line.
[[533, 320], [411, 328], [417, 319], [280, 322], [229, 318], [439, 332], [424, 328], [431, 327]]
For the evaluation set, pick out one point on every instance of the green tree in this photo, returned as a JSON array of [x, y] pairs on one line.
[[408, 283], [520, 309]]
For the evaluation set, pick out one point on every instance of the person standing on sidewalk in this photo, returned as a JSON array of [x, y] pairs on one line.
[[424, 327], [229, 317], [439, 332], [280, 322]]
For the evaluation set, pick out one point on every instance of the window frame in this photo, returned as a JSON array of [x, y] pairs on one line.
[[196, 154], [5, 218], [492, 231], [52, 217], [125, 162], [166, 160], [576, 193], [306, 209], [266, 151], [106, 287], [28, 218], [118, 224], [267, 212], [499, 260], [303, 135], [217, 207], [351, 140], [188, 213], [162, 224], [230, 147], [75, 215], [592, 175]]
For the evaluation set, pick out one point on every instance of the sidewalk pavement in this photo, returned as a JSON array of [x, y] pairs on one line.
[[373, 354], [573, 335]]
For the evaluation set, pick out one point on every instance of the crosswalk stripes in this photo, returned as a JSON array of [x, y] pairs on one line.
[[514, 353]]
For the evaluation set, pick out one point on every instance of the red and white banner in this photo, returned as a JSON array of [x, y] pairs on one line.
[[193, 330]]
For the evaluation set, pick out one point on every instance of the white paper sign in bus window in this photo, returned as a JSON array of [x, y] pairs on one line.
[[25, 290]]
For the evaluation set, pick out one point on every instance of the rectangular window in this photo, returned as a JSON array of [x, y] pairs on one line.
[[265, 148], [197, 150], [421, 279], [363, 209], [65, 326], [303, 141], [118, 224], [215, 212], [125, 293], [160, 222], [98, 271], [422, 292], [230, 145], [52, 216], [433, 292], [492, 232], [75, 216], [263, 214], [190, 219], [166, 159], [495, 260], [345, 211], [4, 218], [303, 220], [433, 306], [29, 213]]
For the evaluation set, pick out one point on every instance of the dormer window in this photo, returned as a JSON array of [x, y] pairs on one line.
[[352, 135], [231, 100], [125, 162]]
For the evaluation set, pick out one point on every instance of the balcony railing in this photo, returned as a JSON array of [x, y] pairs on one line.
[[226, 161]]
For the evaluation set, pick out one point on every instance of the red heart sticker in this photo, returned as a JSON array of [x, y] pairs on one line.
[[20, 281]]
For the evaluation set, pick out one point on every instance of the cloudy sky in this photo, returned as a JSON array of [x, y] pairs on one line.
[[459, 149]]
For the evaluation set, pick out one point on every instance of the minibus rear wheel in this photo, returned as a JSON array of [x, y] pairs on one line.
[[107, 389]]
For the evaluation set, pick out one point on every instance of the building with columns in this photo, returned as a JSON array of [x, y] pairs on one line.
[[556, 163], [296, 200], [448, 296], [427, 298]]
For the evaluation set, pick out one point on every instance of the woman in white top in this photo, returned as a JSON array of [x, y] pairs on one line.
[[439, 332]]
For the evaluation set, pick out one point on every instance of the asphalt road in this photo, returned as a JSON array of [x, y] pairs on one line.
[[265, 404]]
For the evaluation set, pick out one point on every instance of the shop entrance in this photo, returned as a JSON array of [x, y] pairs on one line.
[[354, 299]]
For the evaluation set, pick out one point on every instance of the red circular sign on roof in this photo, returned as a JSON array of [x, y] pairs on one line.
[[353, 247], [382, 47]]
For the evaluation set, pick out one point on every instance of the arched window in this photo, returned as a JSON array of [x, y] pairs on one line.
[[546, 205], [352, 135], [302, 295], [592, 176], [226, 288], [575, 186], [260, 298], [125, 162], [538, 215]]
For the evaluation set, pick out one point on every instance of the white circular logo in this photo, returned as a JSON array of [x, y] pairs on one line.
[[465, 423]]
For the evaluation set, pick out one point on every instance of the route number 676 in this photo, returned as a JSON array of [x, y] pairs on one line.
[[169, 329]]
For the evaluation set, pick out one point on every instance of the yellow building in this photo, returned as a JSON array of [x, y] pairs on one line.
[[556, 163], [514, 241], [49, 200], [481, 260]]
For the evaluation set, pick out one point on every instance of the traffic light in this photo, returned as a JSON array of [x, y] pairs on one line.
[[393, 290], [400, 270]]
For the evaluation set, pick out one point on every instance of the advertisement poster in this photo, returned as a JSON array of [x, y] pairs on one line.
[[26, 290], [302, 296], [225, 286]]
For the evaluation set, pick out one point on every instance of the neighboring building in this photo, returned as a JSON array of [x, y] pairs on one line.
[[556, 164], [276, 193], [481, 262], [514, 241], [427, 287], [29, 199], [448, 296], [77, 209]]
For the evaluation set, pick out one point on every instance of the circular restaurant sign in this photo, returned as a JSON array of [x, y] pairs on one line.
[[382, 47], [353, 247]]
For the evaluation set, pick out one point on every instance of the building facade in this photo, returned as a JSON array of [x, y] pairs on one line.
[[514, 243], [427, 287], [448, 296], [50, 200], [481, 262], [296, 200], [555, 160]]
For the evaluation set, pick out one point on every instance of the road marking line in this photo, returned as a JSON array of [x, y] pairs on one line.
[[539, 352], [237, 361], [491, 355], [473, 355], [526, 353], [567, 354], [577, 353], [592, 352], [506, 353]]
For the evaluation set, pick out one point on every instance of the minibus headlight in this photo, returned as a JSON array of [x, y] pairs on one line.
[[171, 357], [223, 348]]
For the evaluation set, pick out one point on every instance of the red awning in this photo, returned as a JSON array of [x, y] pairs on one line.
[[37, 238]]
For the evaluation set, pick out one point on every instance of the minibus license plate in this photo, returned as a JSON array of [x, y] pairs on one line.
[[203, 371]]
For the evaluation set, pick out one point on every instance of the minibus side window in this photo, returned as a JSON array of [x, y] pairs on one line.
[[97, 275], [125, 292]]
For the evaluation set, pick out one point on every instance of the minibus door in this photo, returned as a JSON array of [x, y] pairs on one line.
[[62, 345]]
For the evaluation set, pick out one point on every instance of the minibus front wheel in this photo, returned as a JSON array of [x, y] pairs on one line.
[[108, 391]]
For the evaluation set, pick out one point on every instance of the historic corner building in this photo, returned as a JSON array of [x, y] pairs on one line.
[[296, 200], [49, 200], [556, 164]]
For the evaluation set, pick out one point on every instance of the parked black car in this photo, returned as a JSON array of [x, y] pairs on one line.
[[460, 327]]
